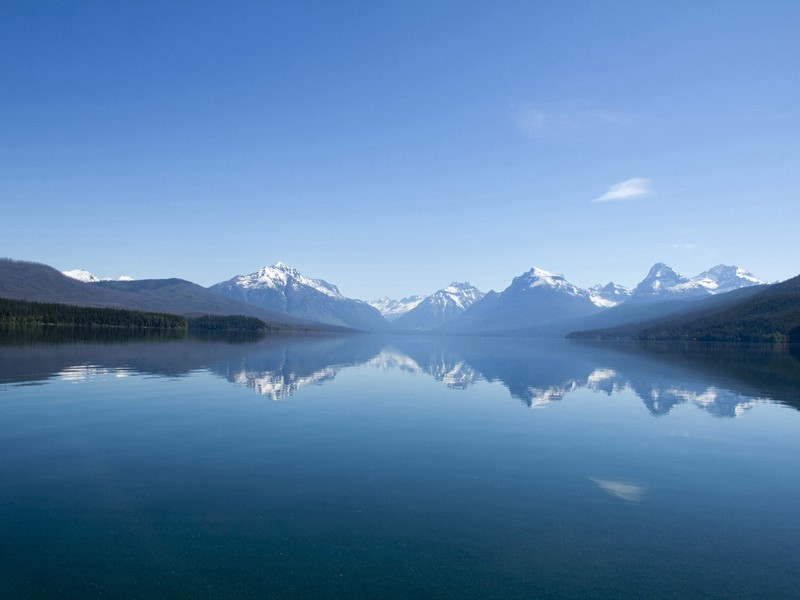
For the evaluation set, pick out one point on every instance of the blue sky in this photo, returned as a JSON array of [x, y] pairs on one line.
[[393, 148]]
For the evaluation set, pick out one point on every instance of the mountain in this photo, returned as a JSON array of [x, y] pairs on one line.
[[662, 281], [772, 315], [440, 307], [535, 299], [665, 282], [726, 278], [623, 321], [392, 309], [41, 283], [610, 294], [87, 277], [666, 294], [284, 289]]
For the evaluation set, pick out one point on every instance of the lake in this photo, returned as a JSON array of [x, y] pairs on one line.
[[396, 467]]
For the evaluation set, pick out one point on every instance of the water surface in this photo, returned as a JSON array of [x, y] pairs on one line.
[[379, 467]]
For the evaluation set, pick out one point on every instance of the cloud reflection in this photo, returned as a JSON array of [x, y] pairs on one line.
[[623, 490]]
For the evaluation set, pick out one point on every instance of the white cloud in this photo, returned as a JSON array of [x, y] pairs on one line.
[[636, 187], [620, 489], [565, 124], [686, 246]]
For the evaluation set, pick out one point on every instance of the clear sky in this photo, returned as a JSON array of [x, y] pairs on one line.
[[392, 148]]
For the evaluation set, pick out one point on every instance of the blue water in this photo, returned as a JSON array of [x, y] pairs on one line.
[[406, 467]]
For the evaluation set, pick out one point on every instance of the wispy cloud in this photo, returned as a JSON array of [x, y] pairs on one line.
[[536, 122], [630, 492], [686, 246], [636, 187]]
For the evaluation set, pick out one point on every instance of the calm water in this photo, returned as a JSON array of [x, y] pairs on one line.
[[407, 467]]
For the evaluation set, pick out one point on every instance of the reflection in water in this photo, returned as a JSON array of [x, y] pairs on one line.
[[454, 373], [79, 373], [723, 382], [282, 384], [396, 467], [631, 492]]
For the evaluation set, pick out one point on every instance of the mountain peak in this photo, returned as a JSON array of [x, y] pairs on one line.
[[460, 294], [283, 268], [540, 273], [392, 309], [724, 278], [441, 306], [661, 269], [87, 277], [609, 295], [536, 278], [279, 276], [460, 286], [81, 275], [663, 279]]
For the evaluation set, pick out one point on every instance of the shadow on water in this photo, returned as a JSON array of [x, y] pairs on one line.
[[722, 379]]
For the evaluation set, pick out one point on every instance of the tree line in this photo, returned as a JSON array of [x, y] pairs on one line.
[[24, 313]]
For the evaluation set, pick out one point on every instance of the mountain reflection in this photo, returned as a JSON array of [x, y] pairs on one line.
[[723, 381]]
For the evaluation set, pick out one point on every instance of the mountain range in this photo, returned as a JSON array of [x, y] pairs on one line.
[[86, 277], [771, 315], [665, 282], [537, 302], [41, 283]]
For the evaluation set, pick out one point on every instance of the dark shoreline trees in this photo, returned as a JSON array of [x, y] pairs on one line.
[[23, 313]]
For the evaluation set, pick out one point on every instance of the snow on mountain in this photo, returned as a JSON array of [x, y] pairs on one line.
[[458, 295], [726, 278], [440, 307], [82, 275], [392, 309], [283, 288], [539, 278], [87, 277], [534, 299], [280, 277], [609, 295], [665, 282]]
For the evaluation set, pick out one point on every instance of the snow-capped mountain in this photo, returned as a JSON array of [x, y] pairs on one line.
[[281, 277], [663, 282], [533, 299], [283, 288], [87, 277], [726, 278], [392, 309], [440, 307], [609, 295]]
